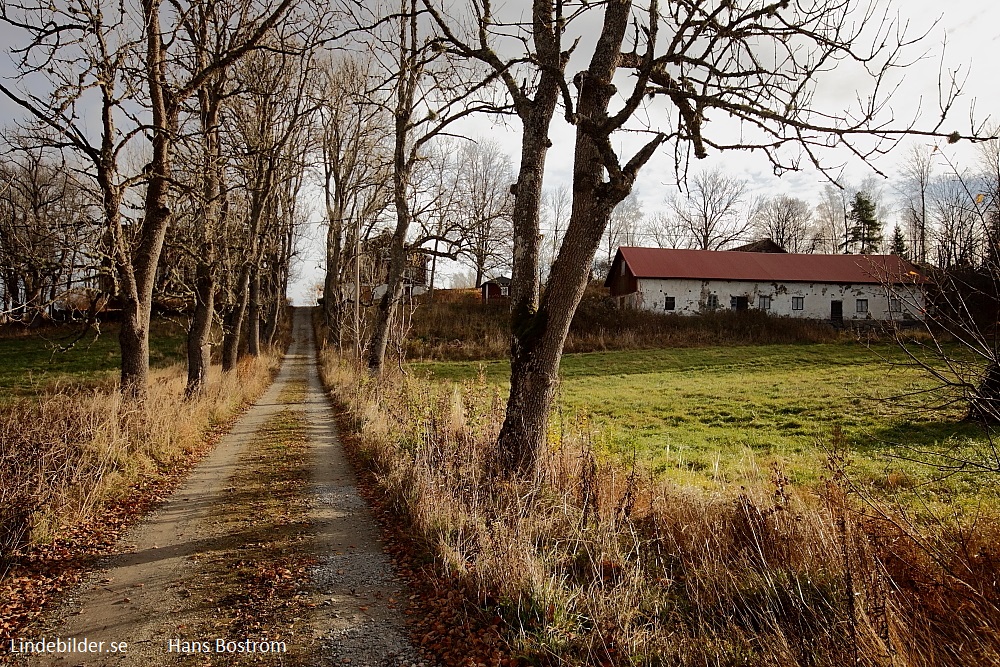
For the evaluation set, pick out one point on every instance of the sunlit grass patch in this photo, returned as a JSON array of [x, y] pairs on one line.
[[716, 416]]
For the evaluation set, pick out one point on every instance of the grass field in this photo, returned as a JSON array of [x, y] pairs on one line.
[[35, 361], [721, 416]]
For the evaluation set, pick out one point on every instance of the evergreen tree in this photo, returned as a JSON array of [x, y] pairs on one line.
[[866, 232], [898, 244]]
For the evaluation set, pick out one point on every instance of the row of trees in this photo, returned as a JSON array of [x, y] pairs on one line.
[[169, 140]]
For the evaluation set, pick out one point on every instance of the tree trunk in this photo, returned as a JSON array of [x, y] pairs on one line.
[[394, 289], [402, 165], [139, 275], [333, 300], [199, 346], [234, 323], [253, 314], [133, 338], [539, 336], [532, 368], [272, 322], [434, 263], [199, 343]]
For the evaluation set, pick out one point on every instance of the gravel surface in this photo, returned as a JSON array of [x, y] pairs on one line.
[[344, 498], [372, 644], [359, 619], [354, 571]]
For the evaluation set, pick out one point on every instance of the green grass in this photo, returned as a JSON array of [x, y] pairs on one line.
[[34, 361], [723, 416]]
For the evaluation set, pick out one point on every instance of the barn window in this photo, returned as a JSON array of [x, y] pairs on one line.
[[798, 303], [669, 303], [504, 290], [764, 302], [861, 306], [623, 268], [894, 305], [713, 301]]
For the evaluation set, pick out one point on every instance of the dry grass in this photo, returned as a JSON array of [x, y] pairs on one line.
[[603, 564], [462, 327], [65, 454]]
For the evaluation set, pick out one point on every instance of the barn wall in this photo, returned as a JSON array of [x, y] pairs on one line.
[[691, 297]]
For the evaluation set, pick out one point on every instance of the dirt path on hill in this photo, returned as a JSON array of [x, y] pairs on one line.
[[266, 555]]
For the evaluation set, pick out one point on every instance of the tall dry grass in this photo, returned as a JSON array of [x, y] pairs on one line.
[[462, 327], [67, 453], [600, 563]]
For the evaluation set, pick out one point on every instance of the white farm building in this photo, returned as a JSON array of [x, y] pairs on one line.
[[823, 287]]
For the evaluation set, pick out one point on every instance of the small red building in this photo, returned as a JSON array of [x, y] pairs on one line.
[[493, 290]]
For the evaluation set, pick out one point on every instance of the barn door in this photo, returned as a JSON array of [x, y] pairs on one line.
[[837, 312]]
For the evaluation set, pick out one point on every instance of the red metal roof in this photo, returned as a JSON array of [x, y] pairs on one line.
[[765, 267]]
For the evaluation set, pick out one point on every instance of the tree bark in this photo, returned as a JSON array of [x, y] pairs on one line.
[[333, 300], [233, 328], [199, 343], [402, 168], [253, 313], [199, 347], [394, 287]]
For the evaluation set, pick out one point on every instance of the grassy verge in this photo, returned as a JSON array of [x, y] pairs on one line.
[[608, 564]]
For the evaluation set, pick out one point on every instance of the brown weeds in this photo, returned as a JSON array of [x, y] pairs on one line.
[[600, 563], [465, 328]]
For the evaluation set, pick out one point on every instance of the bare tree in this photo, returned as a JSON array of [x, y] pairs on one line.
[[270, 128], [712, 214], [553, 219], [355, 171], [96, 45], [430, 91], [786, 221], [46, 227], [624, 227], [437, 202], [959, 230], [484, 205], [989, 167], [918, 171], [833, 229], [712, 61]]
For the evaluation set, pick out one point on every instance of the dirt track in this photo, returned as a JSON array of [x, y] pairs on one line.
[[266, 542]]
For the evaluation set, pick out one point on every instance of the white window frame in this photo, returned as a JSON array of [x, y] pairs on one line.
[[673, 306], [504, 290], [764, 302], [895, 305], [712, 302], [861, 306], [801, 300]]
